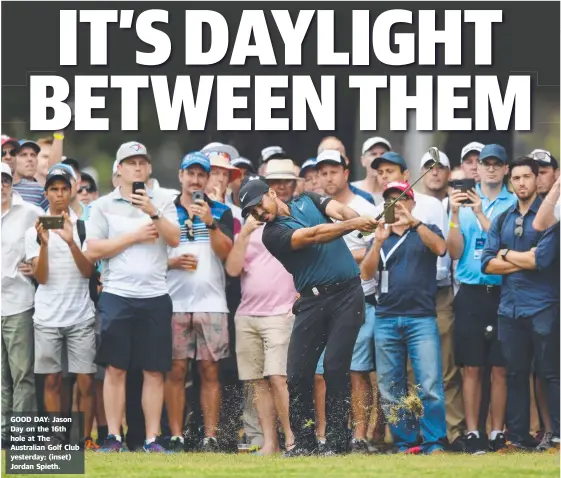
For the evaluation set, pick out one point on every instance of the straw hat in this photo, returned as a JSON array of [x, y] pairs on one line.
[[281, 169]]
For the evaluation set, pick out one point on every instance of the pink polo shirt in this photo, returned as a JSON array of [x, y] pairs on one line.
[[267, 287]]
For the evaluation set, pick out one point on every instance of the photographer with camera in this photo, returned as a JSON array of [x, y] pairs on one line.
[[197, 285], [475, 306]]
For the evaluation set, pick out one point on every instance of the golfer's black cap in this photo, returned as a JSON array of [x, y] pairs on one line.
[[251, 193]]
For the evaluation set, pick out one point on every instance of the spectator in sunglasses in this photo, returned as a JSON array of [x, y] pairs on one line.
[[10, 149], [87, 191]]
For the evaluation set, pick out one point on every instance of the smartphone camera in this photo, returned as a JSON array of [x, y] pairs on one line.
[[198, 196], [464, 185], [389, 212], [52, 222]]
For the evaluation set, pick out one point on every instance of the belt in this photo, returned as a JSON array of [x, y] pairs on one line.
[[487, 288], [326, 289]]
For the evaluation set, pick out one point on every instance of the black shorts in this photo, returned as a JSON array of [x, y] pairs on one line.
[[475, 308], [135, 333]]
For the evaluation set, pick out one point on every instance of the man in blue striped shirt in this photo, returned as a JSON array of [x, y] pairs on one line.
[[24, 180]]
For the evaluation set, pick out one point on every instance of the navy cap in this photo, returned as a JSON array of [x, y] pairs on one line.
[[27, 143], [494, 151], [251, 193], [389, 157], [308, 164], [196, 158], [59, 171]]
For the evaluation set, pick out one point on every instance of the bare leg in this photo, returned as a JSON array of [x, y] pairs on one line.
[[114, 398], [86, 403], [100, 418], [174, 389], [280, 394], [319, 404], [265, 405], [152, 402], [543, 404], [361, 403], [211, 395], [471, 390], [498, 397], [53, 386]]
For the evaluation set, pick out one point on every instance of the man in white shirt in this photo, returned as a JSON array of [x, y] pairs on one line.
[[334, 176], [18, 294], [64, 312], [435, 184], [130, 231], [197, 286]]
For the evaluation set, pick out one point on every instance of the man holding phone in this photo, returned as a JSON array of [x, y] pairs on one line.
[[476, 304], [197, 285], [130, 230], [64, 312]]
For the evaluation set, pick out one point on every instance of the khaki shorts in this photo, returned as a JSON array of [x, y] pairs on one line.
[[200, 335], [80, 348], [262, 345]]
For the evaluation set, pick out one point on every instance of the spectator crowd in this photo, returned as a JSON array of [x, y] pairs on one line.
[[165, 317]]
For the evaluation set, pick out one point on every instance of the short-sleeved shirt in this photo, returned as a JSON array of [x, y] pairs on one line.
[[18, 291], [317, 264], [65, 299], [204, 289], [469, 265], [267, 287], [362, 193], [140, 270], [32, 192], [409, 294]]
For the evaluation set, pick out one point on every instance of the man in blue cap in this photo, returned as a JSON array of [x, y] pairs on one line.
[[330, 310], [477, 301], [197, 286]]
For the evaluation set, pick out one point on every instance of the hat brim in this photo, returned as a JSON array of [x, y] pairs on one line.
[[31, 145], [470, 152], [330, 161], [14, 143], [397, 190], [196, 163], [254, 202], [52, 179], [491, 156], [146, 156], [273, 176], [376, 162]]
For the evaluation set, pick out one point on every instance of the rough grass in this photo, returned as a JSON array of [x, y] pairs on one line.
[[128, 465]]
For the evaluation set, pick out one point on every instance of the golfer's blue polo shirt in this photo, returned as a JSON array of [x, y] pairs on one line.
[[314, 265]]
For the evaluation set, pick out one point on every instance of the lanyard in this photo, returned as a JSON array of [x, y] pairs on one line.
[[385, 258], [487, 215]]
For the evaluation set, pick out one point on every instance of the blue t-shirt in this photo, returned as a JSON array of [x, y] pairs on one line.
[[469, 265], [411, 277], [314, 265]]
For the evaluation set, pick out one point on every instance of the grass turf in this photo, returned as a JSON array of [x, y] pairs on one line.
[[128, 465]]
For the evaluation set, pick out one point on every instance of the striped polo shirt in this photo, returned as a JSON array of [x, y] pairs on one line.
[[204, 289], [32, 192]]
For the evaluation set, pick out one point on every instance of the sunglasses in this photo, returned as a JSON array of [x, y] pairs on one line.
[[519, 226], [88, 189], [214, 154], [189, 229], [487, 165], [9, 152]]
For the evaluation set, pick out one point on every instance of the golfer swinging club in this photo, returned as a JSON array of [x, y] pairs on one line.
[[330, 310]]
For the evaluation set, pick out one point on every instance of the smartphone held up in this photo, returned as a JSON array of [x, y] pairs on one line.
[[51, 222]]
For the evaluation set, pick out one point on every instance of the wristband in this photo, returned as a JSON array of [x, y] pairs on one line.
[[453, 225], [58, 136]]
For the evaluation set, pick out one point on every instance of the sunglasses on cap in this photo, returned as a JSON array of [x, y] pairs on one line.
[[543, 156], [11, 152], [214, 154]]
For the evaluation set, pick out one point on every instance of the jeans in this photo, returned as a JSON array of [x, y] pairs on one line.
[[522, 340], [417, 337], [18, 380]]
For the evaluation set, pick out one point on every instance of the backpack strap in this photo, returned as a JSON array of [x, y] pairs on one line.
[[81, 226]]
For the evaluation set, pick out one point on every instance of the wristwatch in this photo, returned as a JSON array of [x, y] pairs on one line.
[[503, 253], [213, 226], [416, 226], [158, 215]]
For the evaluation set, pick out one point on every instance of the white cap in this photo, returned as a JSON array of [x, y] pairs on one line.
[[471, 147], [221, 148], [130, 149], [330, 156], [444, 160], [374, 141], [268, 152], [6, 170]]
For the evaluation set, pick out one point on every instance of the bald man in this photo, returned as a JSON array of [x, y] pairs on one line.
[[331, 142]]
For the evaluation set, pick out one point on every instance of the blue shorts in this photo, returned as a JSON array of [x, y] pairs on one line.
[[364, 354]]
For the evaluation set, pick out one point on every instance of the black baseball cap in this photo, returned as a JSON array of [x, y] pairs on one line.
[[251, 193], [58, 172]]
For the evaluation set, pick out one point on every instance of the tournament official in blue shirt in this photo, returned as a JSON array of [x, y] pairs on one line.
[[331, 307], [406, 320], [528, 260], [476, 345]]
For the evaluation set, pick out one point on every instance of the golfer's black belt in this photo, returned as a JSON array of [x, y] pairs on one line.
[[327, 289]]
